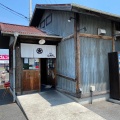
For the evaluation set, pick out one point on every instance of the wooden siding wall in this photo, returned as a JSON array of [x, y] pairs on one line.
[[94, 55], [65, 49], [94, 52], [59, 25], [19, 67], [66, 65], [94, 64], [93, 23], [117, 45]]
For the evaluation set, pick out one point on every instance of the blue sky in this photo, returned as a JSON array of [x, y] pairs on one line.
[[4, 52], [22, 6]]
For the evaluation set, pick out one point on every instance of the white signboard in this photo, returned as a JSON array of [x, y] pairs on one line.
[[38, 51]]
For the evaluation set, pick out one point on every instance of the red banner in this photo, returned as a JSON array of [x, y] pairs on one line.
[[4, 57]]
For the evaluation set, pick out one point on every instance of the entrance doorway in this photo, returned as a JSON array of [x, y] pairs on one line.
[[48, 74], [31, 74], [38, 74]]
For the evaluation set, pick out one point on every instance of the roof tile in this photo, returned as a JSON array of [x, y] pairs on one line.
[[22, 30]]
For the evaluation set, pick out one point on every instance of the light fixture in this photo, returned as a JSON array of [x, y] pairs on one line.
[[69, 20], [42, 41], [84, 28]]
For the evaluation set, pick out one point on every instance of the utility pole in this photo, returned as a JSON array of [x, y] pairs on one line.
[[30, 9]]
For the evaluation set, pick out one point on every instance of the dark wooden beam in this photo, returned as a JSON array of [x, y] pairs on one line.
[[68, 37], [95, 36], [38, 38], [77, 51], [89, 36], [96, 93], [67, 92], [66, 77], [113, 39]]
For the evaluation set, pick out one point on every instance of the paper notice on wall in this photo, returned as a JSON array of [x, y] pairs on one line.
[[36, 60], [31, 61], [25, 60]]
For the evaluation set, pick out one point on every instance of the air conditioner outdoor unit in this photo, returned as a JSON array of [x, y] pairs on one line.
[[101, 31]]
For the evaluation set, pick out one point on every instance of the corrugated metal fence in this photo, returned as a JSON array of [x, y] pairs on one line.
[[66, 65], [94, 63]]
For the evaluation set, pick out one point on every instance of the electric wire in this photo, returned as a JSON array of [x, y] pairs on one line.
[[13, 11]]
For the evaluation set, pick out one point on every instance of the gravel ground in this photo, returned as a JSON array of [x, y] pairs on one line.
[[108, 110]]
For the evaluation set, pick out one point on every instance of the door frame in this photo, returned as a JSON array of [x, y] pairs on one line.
[[31, 91]]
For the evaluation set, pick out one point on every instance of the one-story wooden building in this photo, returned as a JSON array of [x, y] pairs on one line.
[[31, 64], [82, 55], [73, 57]]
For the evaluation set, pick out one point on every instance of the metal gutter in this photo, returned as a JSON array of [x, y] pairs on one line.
[[14, 63], [32, 35]]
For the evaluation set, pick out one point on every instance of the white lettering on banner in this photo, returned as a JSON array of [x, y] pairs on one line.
[[38, 51], [4, 57]]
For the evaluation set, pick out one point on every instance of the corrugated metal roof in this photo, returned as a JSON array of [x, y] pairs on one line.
[[69, 7], [22, 30], [94, 10], [39, 9]]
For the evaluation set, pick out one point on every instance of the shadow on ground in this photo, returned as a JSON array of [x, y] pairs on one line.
[[8, 109], [55, 98], [7, 99]]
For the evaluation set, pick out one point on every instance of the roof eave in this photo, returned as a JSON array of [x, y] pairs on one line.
[[31, 35], [75, 8], [62, 7], [94, 12], [65, 7]]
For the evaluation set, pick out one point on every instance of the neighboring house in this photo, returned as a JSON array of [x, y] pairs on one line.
[[82, 56], [25, 53]]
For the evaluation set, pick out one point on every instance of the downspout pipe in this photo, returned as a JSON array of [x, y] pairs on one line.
[[14, 44]]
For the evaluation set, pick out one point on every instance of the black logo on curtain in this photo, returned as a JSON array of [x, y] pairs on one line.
[[39, 50]]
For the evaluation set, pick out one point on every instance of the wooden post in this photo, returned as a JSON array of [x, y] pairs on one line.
[[77, 51], [113, 34]]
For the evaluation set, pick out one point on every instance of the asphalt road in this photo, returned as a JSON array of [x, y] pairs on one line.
[[108, 110], [8, 109]]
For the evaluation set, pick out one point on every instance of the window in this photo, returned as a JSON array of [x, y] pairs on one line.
[[42, 24], [48, 19], [30, 63]]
